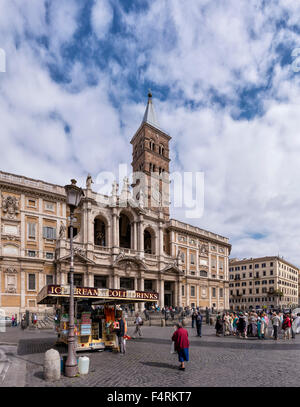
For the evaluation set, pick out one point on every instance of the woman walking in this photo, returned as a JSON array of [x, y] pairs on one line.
[[180, 337]]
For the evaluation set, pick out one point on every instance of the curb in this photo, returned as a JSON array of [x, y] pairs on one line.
[[8, 344]]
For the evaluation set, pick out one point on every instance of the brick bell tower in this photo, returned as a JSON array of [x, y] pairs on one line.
[[150, 158]]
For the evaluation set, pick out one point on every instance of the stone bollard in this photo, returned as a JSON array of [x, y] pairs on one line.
[[163, 322], [52, 365], [184, 321]]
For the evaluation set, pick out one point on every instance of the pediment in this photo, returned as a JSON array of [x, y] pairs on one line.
[[78, 258], [122, 259], [172, 268]]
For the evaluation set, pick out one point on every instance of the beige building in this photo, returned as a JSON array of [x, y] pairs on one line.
[[270, 282], [120, 242]]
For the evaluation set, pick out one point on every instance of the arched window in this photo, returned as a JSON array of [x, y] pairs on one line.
[[161, 150], [152, 145], [99, 232], [124, 231], [149, 241], [203, 273]]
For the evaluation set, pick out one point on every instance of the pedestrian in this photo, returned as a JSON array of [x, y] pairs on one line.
[[12, 320], [34, 319], [146, 313], [292, 318], [227, 323], [219, 325], [120, 332], [194, 316], [275, 323], [199, 319], [180, 337], [138, 324], [234, 324], [265, 321], [259, 328], [242, 326], [286, 326]]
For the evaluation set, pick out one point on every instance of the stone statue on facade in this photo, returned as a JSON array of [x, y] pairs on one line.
[[89, 182], [62, 230], [11, 206]]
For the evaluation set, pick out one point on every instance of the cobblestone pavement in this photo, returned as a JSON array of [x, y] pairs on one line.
[[214, 361]]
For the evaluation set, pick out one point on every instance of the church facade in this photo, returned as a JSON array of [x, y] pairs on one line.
[[124, 241]]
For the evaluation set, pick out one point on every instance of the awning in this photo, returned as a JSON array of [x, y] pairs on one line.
[[50, 293]]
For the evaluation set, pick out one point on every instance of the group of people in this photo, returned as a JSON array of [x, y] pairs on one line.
[[256, 324]]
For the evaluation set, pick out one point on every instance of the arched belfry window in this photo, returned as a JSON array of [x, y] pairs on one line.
[[152, 145]]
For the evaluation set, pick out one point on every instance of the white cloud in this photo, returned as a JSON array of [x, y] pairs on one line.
[[251, 166], [101, 18]]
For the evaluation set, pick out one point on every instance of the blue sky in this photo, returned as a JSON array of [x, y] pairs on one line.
[[76, 85]]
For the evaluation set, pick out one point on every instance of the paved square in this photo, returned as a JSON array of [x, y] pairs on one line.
[[214, 361]]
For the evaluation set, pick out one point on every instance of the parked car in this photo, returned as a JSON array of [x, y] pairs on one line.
[[6, 321]]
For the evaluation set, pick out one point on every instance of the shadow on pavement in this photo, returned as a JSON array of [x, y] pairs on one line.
[[159, 364], [37, 345]]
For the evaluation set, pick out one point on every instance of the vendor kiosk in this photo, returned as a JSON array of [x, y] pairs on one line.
[[96, 313]]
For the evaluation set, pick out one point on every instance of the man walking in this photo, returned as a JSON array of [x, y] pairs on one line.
[[199, 323], [276, 323], [138, 324], [120, 332]]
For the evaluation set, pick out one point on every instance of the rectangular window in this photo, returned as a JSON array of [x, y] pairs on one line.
[[244, 275], [31, 253], [49, 206], [182, 290], [221, 292], [214, 292], [31, 282], [32, 203], [193, 291], [257, 290], [192, 258], [49, 233], [49, 279], [271, 272], [49, 255], [250, 274], [31, 230], [250, 290], [250, 266], [256, 266]]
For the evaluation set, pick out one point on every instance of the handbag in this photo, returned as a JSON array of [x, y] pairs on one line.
[[173, 351]]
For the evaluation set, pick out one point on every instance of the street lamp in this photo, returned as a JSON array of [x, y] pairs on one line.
[[73, 194]]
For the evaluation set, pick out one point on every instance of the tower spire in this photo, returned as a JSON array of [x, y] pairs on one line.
[[150, 116]]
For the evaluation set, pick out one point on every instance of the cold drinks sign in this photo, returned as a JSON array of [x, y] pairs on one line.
[[91, 292]]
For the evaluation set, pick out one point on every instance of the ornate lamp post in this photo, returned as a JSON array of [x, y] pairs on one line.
[[74, 195]]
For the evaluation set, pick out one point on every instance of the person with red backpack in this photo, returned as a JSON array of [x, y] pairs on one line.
[[286, 326]]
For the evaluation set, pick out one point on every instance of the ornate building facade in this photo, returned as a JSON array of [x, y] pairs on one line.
[[125, 240]]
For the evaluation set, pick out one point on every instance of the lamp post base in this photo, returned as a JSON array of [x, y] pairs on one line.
[[71, 371]]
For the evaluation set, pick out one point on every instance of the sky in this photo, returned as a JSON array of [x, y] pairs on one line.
[[225, 79]]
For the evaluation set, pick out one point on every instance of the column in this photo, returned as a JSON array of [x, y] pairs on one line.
[[136, 306], [209, 296], [141, 288], [187, 296], [141, 238], [116, 281], [22, 290], [161, 240], [198, 295], [135, 237], [172, 243], [179, 293], [162, 293], [109, 241], [176, 288]]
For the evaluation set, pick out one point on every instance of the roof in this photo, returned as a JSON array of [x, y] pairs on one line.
[[150, 114]]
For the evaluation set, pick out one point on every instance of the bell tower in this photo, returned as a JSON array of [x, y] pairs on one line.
[[150, 158]]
